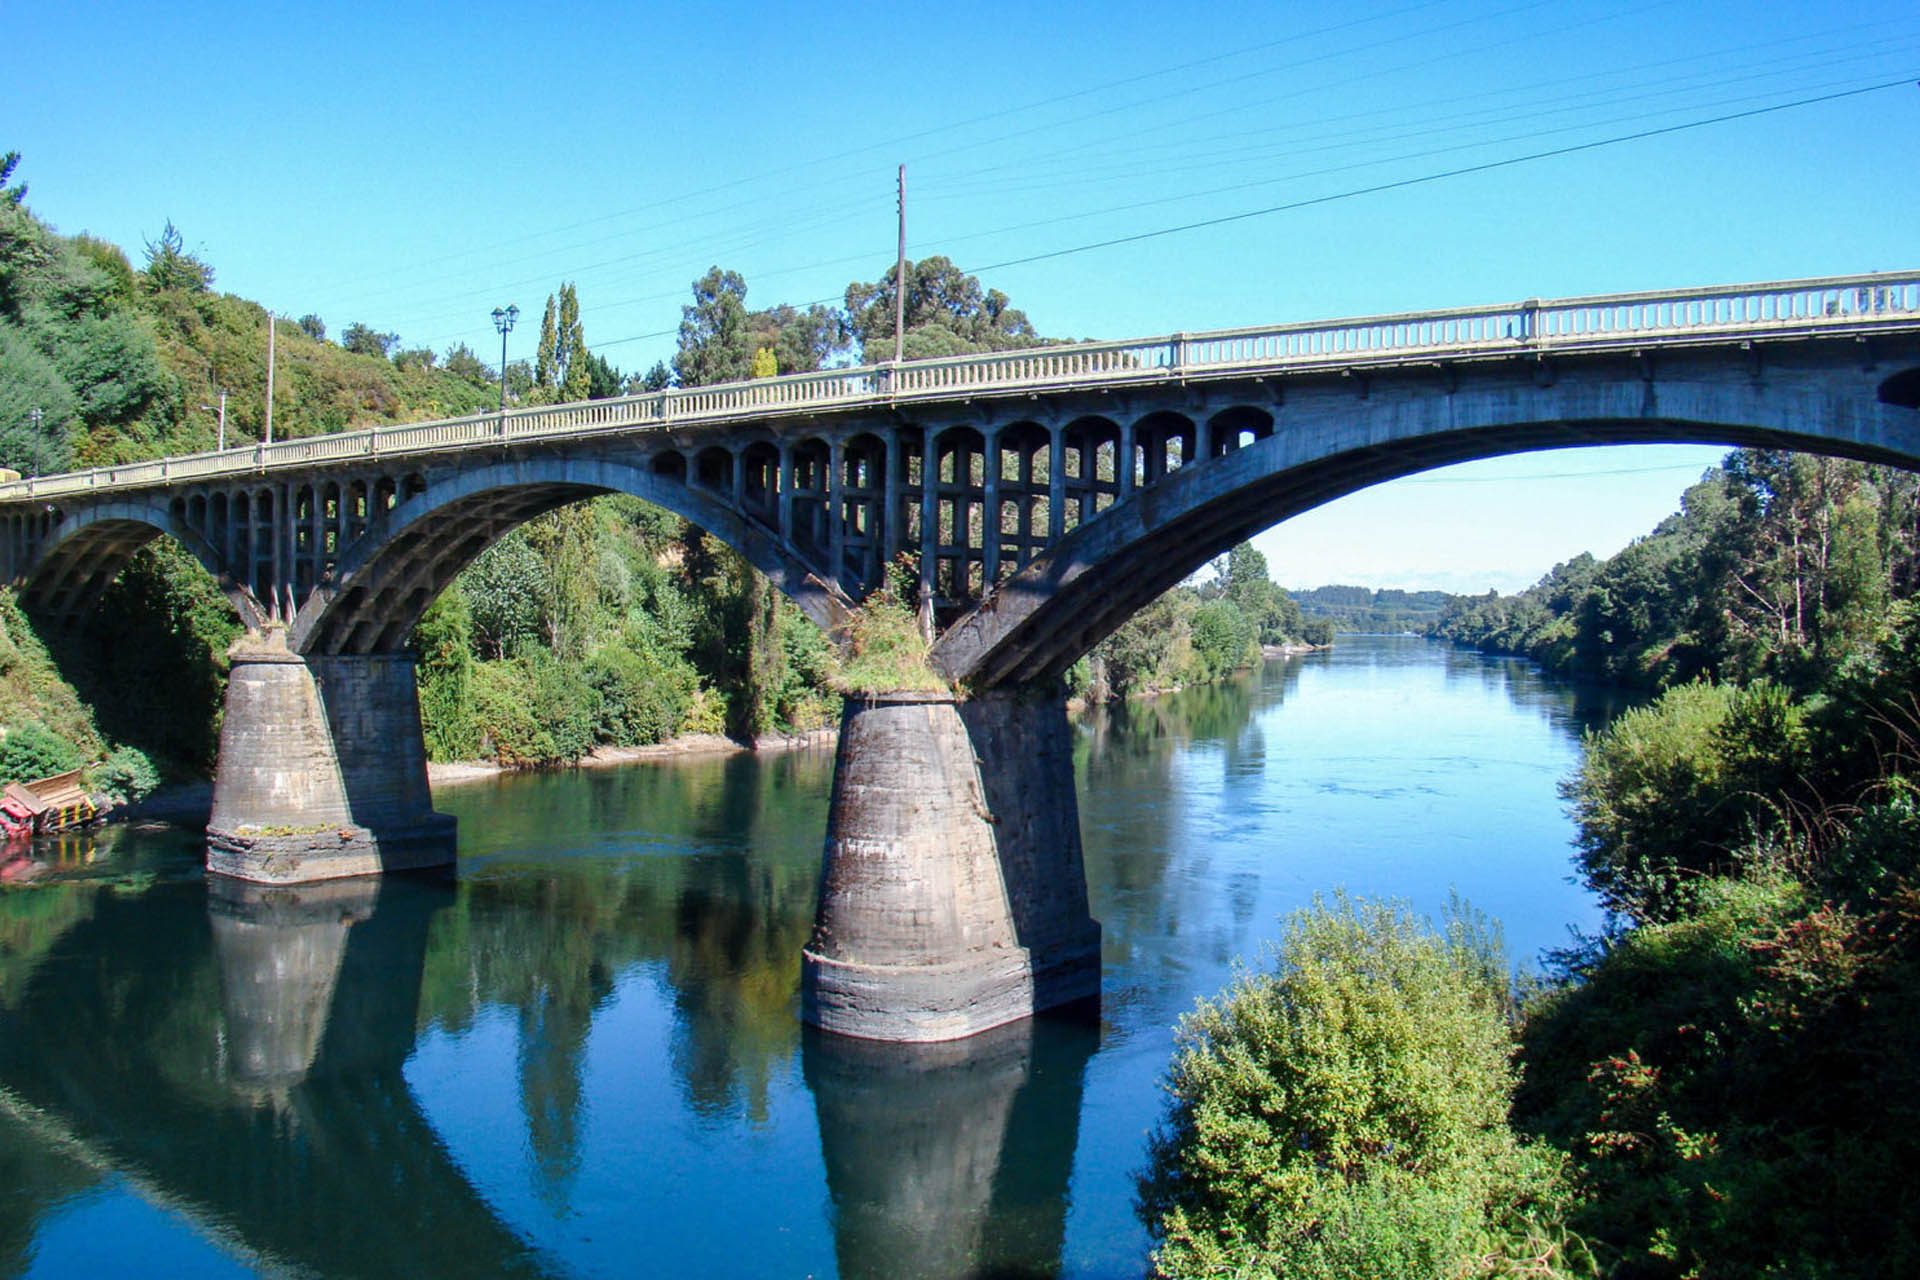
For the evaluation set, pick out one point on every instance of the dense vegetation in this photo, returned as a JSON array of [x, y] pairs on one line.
[[1777, 564], [1728, 1071], [607, 623], [1345, 1114]]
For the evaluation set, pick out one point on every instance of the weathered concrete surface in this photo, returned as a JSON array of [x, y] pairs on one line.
[[952, 895], [321, 783]]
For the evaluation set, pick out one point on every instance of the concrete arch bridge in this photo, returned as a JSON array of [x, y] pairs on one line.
[[1046, 494]]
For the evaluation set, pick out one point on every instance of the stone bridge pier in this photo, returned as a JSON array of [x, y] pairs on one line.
[[323, 770], [953, 898]]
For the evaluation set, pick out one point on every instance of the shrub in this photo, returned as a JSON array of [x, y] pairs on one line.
[[125, 775], [642, 695], [1672, 792], [885, 649], [1346, 1113], [32, 751], [533, 710]]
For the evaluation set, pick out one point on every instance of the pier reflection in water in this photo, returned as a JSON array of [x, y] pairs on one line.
[[951, 1159], [583, 1056]]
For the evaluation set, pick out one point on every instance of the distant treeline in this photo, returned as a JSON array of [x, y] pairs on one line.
[[1777, 565], [1362, 609]]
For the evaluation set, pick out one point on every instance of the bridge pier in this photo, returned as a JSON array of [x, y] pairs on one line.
[[952, 898], [322, 771]]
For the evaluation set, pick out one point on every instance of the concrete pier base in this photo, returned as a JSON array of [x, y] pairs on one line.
[[952, 896], [322, 771]]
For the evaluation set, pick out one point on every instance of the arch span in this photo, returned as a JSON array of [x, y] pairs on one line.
[[1056, 609], [82, 555], [387, 580]]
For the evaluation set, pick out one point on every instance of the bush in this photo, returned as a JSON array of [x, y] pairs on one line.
[[124, 776], [1673, 792], [1346, 1114], [533, 710], [32, 751], [885, 649], [1736, 1088], [642, 694]]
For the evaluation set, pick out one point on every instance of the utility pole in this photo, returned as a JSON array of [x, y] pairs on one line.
[[270, 326], [900, 279]]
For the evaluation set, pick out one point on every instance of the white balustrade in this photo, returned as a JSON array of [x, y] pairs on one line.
[[1883, 300]]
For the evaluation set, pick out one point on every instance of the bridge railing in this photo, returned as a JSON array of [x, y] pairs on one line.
[[1826, 305]]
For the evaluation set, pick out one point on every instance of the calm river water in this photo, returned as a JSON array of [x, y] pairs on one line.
[[581, 1056]]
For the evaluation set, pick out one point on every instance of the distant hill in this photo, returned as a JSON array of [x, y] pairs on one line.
[[1353, 609]]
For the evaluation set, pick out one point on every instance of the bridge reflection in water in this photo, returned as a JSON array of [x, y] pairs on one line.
[[233, 1056]]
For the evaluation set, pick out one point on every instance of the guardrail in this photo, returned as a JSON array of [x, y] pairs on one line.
[[1825, 305]]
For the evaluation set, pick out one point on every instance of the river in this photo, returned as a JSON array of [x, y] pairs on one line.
[[580, 1056]]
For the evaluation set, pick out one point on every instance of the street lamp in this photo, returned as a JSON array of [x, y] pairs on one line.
[[503, 318], [223, 417]]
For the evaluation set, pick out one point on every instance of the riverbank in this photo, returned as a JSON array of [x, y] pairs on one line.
[[455, 772]]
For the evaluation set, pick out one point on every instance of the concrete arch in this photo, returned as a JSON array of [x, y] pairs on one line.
[[412, 551], [1057, 608], [82, 555]]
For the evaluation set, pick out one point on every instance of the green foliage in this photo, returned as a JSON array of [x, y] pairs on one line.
[[1778, 564], [11, 196], [506, 590], [313, 326], [1677, 791], [1223, 639], [715, 345], [1737, 1087], [32, 751], [1364, 609], [32, 690], [171, 269], [1271, 611], [364, 340], [443, 639], [532, 710], [563, 369], [151, 659], [124, 776], [643, 692], [885, 649], [1345, 1114], [947, 313]]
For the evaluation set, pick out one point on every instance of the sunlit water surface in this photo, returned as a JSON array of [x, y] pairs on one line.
[[581, 1055]]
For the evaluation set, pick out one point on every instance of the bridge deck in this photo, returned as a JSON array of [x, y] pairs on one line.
[[1794, 309]]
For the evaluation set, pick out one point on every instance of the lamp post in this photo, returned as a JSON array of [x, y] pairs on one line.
[[503, 318], [223, 418]]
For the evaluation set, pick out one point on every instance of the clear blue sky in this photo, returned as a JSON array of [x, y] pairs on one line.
[[413, 166]]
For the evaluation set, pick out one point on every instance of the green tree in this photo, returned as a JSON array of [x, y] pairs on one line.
[[947, 313], [364, 340], [715, 344], [563, 368], [313, 326], [461, 362], [171, 268], [11, 195]]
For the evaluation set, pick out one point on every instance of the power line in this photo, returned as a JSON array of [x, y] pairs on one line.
[[1462, 171]]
